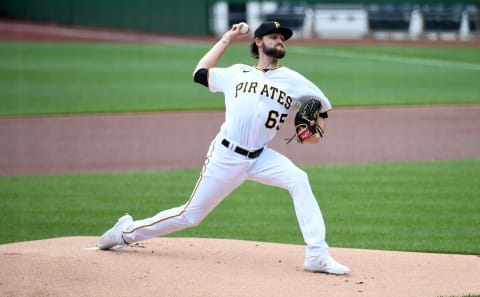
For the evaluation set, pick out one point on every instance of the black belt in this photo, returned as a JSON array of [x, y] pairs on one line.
[[242, 151]]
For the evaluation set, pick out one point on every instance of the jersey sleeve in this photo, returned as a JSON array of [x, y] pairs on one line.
[[312, 91], [219, 79]]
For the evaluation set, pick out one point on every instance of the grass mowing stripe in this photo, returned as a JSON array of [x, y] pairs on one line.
[[59, 78], [421, 206], [405, 205], [357, 82], [388, 58]]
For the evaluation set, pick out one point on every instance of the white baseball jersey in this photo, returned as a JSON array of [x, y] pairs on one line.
[[258, 102]]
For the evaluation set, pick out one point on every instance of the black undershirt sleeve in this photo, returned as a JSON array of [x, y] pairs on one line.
[[201, 76]]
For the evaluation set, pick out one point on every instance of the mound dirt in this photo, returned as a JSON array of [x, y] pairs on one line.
[[72, 266]]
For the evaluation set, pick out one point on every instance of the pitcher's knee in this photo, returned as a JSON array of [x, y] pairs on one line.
[[299, 176], [191, 220], [298, 182]]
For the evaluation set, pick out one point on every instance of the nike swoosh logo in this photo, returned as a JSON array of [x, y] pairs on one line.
[[245, 71]]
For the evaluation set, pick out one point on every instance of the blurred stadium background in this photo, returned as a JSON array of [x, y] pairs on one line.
[[450, 20]]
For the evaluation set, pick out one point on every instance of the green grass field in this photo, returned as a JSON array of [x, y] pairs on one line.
[[421, 206], [49, 78]]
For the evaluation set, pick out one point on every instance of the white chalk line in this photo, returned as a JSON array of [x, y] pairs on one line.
[[93, 248], [388, 58]]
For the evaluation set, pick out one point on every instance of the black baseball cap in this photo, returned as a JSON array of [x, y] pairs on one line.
[[272, 27]]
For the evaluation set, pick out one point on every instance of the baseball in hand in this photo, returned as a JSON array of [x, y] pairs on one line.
[[243, 27]]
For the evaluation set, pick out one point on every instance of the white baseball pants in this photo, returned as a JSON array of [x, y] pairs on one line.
[[223, 171]]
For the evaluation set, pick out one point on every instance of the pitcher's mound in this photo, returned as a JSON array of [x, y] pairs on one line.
[[210, 267]]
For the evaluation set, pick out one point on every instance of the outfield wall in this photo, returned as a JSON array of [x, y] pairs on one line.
[[188, 17]]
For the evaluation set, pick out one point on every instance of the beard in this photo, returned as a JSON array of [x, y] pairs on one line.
[[274, 52]]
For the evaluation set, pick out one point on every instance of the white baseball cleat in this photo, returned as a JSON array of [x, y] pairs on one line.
[[325, 264], [113, 237]]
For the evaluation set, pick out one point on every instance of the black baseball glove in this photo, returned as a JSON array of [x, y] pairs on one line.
[[306, 121]]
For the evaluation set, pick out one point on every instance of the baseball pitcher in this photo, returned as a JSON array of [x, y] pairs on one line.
[[258, 99]]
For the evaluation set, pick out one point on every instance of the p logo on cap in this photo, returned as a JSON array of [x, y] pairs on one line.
[[273, 27]]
